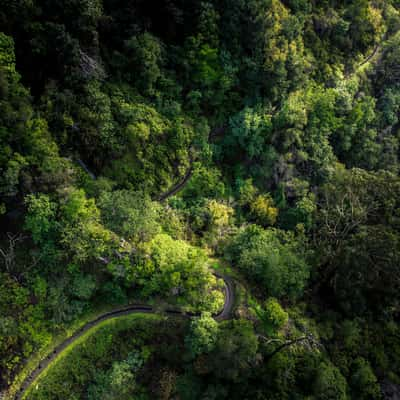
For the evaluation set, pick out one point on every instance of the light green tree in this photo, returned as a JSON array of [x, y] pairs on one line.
[[202, 336]]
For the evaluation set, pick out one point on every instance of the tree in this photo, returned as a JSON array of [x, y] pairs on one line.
[[219, 222], [248, 144], [20, 322], [303, 128], [260, 208], [329, 383], [29, 159], [41, 218], [119, 380], [358, 145], [41, 221], [9, 256], [154, 151], [130, 214], [83, 235], [273, 317], [209, 72], [366, 24], [368, 271], [83, 286], [145, 60], [206, 181], [363, 381], [246, 192], [235, 351], [263, 210], [274, 259], [278, 49], [358, 233], [175, 268], [202, 336]]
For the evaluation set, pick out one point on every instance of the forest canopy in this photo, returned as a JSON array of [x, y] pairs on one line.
[[154, 152]]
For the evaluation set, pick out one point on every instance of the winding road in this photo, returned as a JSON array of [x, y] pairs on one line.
[[367, 59], [170, 192], [222, 315], [175, 189]]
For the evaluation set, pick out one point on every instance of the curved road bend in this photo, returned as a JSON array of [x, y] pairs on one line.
[[132, 309], [176, 188], [170, 192]]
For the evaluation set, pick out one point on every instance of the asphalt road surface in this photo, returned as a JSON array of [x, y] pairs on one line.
[[222, 315]]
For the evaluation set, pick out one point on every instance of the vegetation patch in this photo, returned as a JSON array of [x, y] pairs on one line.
[[148, 149]]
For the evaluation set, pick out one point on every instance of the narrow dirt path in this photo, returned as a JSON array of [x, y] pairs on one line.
[[224, 314]]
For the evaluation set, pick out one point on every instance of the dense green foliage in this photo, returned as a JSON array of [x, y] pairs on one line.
[[143, 143], [272, 258]]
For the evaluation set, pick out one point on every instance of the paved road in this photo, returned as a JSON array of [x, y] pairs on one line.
[[375, 51], [180, 185], [134, 308], [170, 192], [224, 314], [175, 189], [226, 311]]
